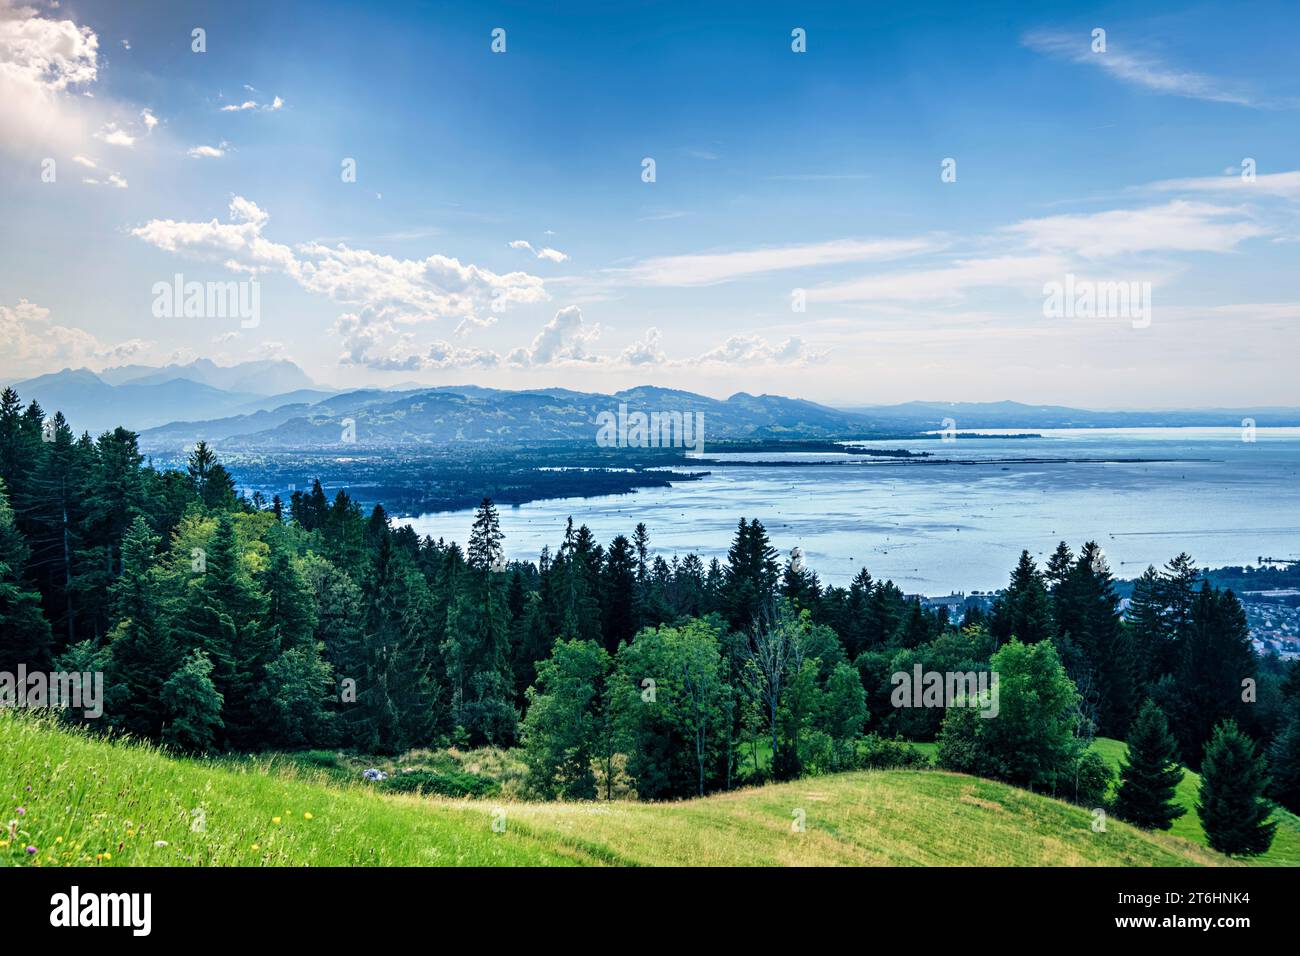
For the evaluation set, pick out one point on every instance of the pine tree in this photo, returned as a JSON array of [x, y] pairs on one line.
[[1231, 805], [1150, 774]]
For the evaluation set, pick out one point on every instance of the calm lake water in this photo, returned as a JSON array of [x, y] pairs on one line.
[[960, 524]]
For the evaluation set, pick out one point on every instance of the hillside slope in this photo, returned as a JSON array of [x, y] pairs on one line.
[[87, 802]]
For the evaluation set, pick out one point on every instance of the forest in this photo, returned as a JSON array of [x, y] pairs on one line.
[[227, 623]]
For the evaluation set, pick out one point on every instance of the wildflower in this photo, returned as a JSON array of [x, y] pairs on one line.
[[3, 844], [256, 847], [275, 820], [307, 815], [58, 839], [159, 842], [22, 812], [31, 851]]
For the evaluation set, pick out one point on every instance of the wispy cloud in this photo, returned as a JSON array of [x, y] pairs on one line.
[[1140, 69], [1286, 185], [713, 268]]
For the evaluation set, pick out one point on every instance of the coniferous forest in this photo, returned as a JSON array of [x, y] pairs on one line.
[[225, 623]]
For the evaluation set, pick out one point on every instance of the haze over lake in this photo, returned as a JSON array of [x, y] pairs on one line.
[[936, 527]]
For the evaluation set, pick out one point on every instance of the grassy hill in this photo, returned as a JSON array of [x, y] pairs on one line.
[[1285, 850], [87, 802]]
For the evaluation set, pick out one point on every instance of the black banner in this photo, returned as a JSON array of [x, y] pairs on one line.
[[367, 905]]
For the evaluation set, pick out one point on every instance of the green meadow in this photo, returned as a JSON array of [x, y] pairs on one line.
[[88, 802]]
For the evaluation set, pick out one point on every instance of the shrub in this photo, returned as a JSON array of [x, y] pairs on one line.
[[878, 753], [1092, 779], [452, 783]]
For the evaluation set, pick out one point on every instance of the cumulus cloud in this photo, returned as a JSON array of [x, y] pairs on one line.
[[271, 107], [756, 350], [43, 63], [387, 294], [545, 252], [238, 244], [647, 351], [34, 344], [114, 135], [372, 339], [563, 339], [207, 152]]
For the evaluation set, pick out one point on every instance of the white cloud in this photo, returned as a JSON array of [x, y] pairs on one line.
[[1136, 68], [149, 120], [34, 345], [1177, 226], [756, 350], [563, 339], [552, 255], [114, 135], [84, 161], [50, 54], [388, 293], [271, 107], [961, 276], [207, 152], [238, 243], [712, 268], [1286, 185], [647, 351]]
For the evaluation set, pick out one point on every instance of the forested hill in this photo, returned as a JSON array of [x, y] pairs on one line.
[[228, 623]]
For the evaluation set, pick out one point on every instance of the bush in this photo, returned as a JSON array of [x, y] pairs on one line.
[[452, 783], [1092, 779], [878, 753]]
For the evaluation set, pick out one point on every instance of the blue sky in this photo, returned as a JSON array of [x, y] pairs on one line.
[[499, 229]]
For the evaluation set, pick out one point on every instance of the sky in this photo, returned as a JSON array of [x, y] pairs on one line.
[[849, 203]]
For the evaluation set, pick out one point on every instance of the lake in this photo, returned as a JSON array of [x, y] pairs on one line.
[[960, 523]]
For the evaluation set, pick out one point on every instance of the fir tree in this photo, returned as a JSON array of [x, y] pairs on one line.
[[1149, 774], [1231, 805]]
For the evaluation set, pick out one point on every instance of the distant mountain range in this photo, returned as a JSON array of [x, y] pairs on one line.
[[976, 415], [273, 405], [140, 396], [438, 416]]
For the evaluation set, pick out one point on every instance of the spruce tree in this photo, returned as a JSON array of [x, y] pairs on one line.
[[1231, 806], [1149, 774]]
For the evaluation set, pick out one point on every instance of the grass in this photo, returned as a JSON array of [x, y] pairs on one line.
[[90, 802], [1285, 850]]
